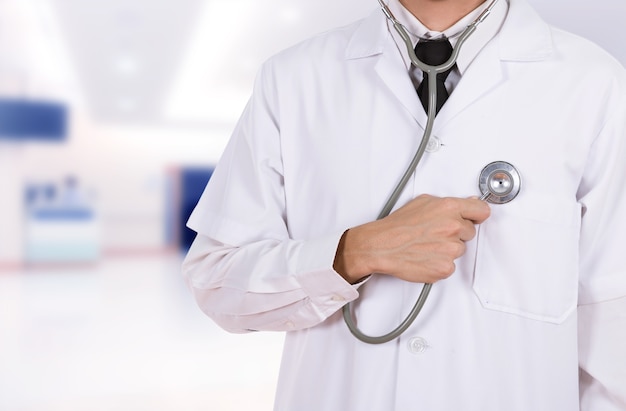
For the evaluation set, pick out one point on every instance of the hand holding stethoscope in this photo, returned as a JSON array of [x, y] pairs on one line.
[[429, 233]]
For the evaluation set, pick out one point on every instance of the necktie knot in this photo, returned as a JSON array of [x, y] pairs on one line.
[[434, 53]]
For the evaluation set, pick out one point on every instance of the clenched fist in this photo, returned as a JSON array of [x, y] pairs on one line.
[[418, 242]]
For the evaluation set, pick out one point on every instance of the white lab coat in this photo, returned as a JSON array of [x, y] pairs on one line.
[[330, 128]]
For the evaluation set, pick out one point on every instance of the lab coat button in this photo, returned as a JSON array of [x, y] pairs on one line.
[[434, 144], [418, 345], [338, 298]]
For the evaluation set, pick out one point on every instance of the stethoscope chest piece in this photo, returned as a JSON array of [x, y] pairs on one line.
[[499, 182]]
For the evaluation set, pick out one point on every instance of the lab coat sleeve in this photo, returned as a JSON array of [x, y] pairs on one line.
[[602, 355], [269, 285], [602, 279], [246, 270], [602, 195]]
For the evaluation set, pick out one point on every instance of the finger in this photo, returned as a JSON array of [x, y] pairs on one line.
[[475, 210], [468, 231]]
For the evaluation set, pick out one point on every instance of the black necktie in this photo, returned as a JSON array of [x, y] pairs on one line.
[[434, 53]]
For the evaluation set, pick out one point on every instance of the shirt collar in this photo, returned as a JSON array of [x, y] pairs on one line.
[[483, 34]]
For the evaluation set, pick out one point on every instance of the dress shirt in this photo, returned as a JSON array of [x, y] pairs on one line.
[[417, 30]]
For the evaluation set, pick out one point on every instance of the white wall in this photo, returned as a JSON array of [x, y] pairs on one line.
[[126, 165], [601, 21]]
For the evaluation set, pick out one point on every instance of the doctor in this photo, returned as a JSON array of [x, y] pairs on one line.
[[527, 310]]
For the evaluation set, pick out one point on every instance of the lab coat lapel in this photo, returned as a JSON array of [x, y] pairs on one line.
[[524, 37], [394, 74], [373, 40], [481, 78]]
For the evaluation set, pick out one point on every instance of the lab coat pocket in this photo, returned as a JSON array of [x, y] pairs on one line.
[[527, 259]]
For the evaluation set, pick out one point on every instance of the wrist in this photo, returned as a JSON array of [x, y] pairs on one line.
[[349, 263]]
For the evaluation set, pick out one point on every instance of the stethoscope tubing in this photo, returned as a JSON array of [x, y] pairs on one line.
[[432, 72]]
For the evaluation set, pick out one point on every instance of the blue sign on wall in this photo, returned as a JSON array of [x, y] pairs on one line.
[[193, 182], [32, 120]]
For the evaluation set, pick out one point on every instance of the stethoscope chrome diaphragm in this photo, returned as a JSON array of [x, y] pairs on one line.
[[499, 182]]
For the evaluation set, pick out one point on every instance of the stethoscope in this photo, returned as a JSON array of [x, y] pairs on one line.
[[499, 182]]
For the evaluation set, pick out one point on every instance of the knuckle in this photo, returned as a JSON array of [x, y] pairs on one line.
[[460, 249], [453, 227], [454, 249], [448, 204], [471, 233], [472, 230], [447, 269]]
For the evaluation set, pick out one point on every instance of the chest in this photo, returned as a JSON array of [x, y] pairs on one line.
[[344, 151]]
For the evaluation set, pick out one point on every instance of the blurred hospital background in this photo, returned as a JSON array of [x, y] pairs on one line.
[[113, 114]]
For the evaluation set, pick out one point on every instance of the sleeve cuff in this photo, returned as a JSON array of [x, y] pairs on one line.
[[328, 290]]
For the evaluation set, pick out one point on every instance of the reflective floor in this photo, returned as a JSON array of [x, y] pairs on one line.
[[124, 335]]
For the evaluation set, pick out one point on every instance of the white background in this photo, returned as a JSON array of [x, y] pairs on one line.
[[153, 85]]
